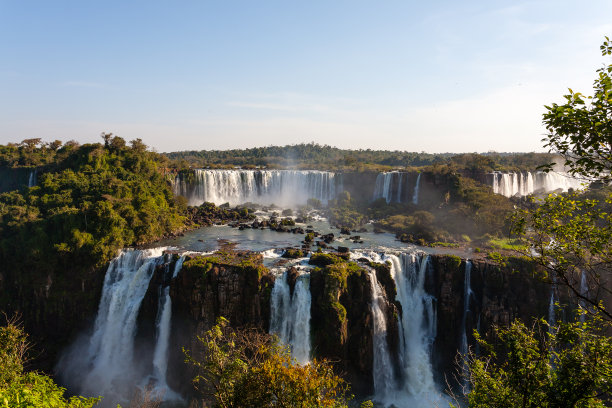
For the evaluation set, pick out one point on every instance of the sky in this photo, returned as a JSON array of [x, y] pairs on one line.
[[437, 76]]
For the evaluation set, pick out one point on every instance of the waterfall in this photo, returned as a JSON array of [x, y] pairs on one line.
[[382, 188], [415, 195], [105, 363], [390, 186], [383, 369], [522, 184], [552, 319], [290, 315], [281, 187], [584, 291], [467, 294], [162, 328], [32, 178], [417, 325]]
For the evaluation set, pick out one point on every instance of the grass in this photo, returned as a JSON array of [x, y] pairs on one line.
[[509, 244]]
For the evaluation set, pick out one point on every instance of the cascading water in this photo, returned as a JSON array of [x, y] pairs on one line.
[[390, 186], [415, 195], [417, 327], [32, 178], [384, 382], [584, 291], [281, 187], [162, 326], [467, 294], [552, 319], [522, 184], [415, 386], [290, 315], [105, 364]]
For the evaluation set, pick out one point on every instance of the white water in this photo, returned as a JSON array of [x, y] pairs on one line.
[[106, 364], [32, 178], [384, 382], [522, 184], [415, 195], [290, 315], [552, 319], [584, 291], [418, 330], [467, 294], [382, 188], [163, 326], [285, 188], [415, 387], [390, 186]]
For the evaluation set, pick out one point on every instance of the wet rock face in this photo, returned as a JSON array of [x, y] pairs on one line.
[[237, 292], [342, 318], [500, 294], [237, 289], [341, 323], [54, 307]]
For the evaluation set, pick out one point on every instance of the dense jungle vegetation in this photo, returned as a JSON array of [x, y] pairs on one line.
[[315, 156], [89, 202]]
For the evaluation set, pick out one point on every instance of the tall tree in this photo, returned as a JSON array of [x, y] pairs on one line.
[[581, 128], [571, 236]]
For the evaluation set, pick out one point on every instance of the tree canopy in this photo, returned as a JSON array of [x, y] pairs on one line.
[[581, 128]]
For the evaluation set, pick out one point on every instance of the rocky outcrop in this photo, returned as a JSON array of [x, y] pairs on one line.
[[233, 285], [500, 294], [53, 306], [342, 321]]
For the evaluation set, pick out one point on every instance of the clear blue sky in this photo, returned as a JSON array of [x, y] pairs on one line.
[[429, 76]]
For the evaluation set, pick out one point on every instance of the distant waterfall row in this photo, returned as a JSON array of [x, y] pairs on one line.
[[525, 183], [397, 187], [281, 187]]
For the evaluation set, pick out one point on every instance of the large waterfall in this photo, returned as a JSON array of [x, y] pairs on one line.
[[397, 187], [105, 363], [281, 187], [522, 184], [290, 315], [417, 329], [415, 386]]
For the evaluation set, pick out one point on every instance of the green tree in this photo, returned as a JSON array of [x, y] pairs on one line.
[[581, 128], [21, 389], [566, 366], [572, 235], [251, 369]]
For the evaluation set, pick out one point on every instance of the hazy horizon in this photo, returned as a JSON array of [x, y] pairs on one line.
[[445, 77]]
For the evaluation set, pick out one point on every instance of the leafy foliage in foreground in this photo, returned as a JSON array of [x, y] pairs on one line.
[[581, 131], [571, 235], [251, 369], [568, 365], [22, 389]]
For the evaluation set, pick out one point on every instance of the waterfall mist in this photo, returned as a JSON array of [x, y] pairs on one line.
[[285, 188], [105, 362], [290, 315], [525, 183], [396, 187], [415, 385]]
